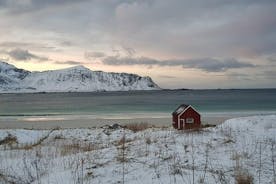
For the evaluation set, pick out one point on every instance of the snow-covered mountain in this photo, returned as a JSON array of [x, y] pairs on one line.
[[74, 79]]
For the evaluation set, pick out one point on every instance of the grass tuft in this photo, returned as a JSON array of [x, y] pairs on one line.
[[77, 147], [243, 178], [136, 127], [9, 139]]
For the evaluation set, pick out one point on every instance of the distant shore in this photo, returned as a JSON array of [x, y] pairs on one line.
[[54, 122]]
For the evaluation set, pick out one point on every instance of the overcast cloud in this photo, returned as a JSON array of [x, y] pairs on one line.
[[93, 55], [199, 34], [24, 55], [205, 64], [68, 62]]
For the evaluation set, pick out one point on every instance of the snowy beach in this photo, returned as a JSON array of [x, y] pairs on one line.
[[50, 122], [238, 149]]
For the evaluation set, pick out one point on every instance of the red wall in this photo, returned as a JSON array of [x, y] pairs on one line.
[[189, 113]]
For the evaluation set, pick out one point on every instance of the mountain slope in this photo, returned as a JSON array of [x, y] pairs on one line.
[[74, 79], [10, 76]]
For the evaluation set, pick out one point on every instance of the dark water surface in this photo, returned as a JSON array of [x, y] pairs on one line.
[[102, 104]]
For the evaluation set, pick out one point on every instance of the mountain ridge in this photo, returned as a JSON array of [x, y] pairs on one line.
[[72, 79]]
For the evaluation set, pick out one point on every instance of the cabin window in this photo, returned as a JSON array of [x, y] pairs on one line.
[[189, 120]]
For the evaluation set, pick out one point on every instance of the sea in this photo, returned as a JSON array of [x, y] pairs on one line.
[[138, 104]]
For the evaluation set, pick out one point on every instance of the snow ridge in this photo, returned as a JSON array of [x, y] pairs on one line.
[[73, 79]]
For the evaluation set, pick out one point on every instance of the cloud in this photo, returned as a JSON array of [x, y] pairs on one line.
[[130, 61], [54, 2], [3, 3], [28, 45], [20, 54], [215, 28], [14, 44], [271, 74], [167, 76], [93, 55], [24, 6], [266, 74], [66, 43], [68, 62], [204, 29], [129, 51], [272, 58], [204, 64], [239, 76], [214, 65]]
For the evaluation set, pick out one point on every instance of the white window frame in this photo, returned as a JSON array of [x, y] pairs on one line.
[[181, 121], [190, 120]]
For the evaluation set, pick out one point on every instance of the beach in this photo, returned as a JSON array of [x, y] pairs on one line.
[[42, 122]]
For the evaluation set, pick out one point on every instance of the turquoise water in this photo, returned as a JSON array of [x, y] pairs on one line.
[[139, 103]]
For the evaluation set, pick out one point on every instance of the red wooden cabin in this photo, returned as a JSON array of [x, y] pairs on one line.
[[185, 117]]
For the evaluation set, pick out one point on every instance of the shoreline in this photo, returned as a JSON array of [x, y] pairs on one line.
[[63, 123]]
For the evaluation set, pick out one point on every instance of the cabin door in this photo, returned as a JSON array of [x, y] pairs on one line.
[[182, 123]]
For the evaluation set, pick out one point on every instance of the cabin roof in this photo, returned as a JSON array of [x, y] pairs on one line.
[[180, 109]]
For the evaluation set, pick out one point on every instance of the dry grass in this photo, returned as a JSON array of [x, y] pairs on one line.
[[77, 147], [227, 141], [59, 137], [243, 178], [207, 125], [136, 127], [148, 140], [9, 140], [196, 129], [39, 142], [121, 159], [123, 141]]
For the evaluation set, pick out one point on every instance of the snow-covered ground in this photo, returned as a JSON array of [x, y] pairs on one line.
[[237, 148]]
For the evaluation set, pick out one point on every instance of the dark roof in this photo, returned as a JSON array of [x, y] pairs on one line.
[[180, 109]]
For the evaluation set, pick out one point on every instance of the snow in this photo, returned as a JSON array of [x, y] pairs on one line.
[[10, 76], [155, 155], [24, 136], [5, 66], [74, 79], [180, 109]]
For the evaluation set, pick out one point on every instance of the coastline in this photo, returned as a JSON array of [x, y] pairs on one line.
[[67, 123]]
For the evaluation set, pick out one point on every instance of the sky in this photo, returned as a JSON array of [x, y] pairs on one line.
[[178, 43]]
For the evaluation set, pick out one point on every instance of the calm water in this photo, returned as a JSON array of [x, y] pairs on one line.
[[139, 103]]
